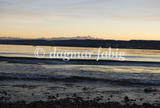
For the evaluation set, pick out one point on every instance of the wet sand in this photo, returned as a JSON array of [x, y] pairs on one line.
[[21, 90]]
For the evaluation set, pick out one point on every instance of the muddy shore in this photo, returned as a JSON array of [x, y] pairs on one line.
[[76, 102]]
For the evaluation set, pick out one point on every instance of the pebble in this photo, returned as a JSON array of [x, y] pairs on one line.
[[150, 90], [85, 88]]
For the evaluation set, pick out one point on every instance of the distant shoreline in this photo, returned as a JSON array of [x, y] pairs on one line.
[[132, 44]]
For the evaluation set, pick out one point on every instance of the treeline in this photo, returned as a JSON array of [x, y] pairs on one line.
[[133, 44]]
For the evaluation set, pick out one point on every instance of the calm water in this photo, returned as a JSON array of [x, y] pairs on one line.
[[68, 79], [28, 51], [136, 73]]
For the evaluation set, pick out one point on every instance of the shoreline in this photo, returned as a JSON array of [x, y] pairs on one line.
[[130, 44]]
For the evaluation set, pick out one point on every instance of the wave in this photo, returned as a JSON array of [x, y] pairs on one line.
[[37, 77]]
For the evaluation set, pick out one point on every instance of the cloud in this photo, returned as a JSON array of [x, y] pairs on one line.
[[95, 9]]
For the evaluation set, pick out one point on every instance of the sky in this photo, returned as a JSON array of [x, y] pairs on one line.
[[107, 19]]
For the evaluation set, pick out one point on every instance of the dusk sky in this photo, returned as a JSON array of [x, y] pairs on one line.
[[108, 19]]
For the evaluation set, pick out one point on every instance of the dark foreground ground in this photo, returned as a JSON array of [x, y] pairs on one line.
[[76, 102]]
